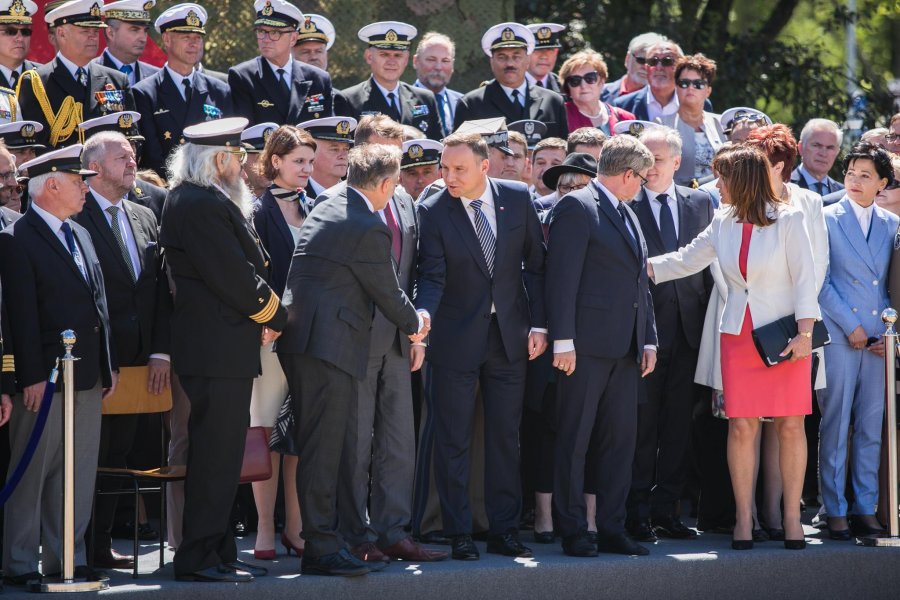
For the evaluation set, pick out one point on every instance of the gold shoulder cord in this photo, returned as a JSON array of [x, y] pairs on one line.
[[63, 123]]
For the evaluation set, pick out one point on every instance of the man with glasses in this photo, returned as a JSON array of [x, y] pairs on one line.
[[509, 95], [892, 138], [178, 95], [71, 87], [387, 56], [636, 68], [127, 23], [273, 87], [657, 99], [15, 40]]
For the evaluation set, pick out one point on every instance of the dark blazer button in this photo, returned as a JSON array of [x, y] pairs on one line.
[[634, 305], [96, 329]]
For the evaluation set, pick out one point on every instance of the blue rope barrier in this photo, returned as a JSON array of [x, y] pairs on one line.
[[34, 438]]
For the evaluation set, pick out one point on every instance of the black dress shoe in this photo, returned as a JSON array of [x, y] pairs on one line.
[[110, 559], [543, 537], [592, 537], [671, 527], [23, 579], [341, 563], [641, 531], [741, 544], [860, 529], [620, 543], [795, 544], [579, 545], [433, 538], [219, 574], [463, 548], [840, 535], [508, 544], [255, 570]]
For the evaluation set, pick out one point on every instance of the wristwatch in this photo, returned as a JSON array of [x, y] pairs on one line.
[[806, 334]]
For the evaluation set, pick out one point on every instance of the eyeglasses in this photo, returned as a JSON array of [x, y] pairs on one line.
[[12, 31], [564, 189], [698, 84], [666, 61], [240, 153], [589, 78], [641, 177], [892, 137], [641, 60], [272, 34]]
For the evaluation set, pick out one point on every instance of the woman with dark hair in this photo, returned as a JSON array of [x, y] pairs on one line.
[[861, 239], [582, 77], [701, 132], [778, 144], [287, 161], [766, 259]]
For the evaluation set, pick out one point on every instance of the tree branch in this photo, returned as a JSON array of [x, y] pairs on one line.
[[778, 19]]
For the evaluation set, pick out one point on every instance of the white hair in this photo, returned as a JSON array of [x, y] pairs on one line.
[[192, 163], [668, 135], [644, 41], [95, 146], [36, 184], [814, 125], [433, 38]]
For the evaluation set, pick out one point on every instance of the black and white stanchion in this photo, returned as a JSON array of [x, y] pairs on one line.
[[889, 316], [67, 581]]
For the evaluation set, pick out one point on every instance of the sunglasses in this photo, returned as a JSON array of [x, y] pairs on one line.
[[12, 31], [666, 61], [698, 84], [892, 137], [589, 78], [893, 185]]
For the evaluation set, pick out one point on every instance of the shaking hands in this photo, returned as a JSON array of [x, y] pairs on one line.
[[424, 327]]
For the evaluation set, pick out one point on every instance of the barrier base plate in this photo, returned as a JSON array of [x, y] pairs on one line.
[[57, 584], [880, 541]]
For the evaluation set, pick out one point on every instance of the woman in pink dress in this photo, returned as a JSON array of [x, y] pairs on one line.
[[766, 259]]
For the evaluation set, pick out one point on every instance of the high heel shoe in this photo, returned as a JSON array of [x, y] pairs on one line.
[[741, 544], [795, 544], [288, 546], [264, 554]]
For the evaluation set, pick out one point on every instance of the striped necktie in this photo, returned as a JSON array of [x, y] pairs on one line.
[[485, 235], [120, 240]]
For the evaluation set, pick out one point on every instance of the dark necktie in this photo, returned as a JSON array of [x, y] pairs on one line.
[[539, 83], [13, 79], [516, 98], [73, 248], [631, 234], [120, 240], [282, 79], [396, 242], [392, 104], [821, 188], [81, 76], [442, 111], [188, 90], [485, 234], [667, 224]]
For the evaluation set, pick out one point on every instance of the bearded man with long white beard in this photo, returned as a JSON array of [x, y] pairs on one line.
[[224, 309]]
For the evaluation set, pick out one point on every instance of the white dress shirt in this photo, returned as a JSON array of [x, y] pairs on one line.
[[656, 110], [7, 72], [124, 227], [178, 79], [385, 92], [656, 205], [811, 181], [522, 89], [317, 188], [288, 69], [119, 64], [863, 216], [54, 224], [72, 67], [534, 80]]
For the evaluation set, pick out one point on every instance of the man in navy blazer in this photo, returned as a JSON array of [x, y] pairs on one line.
[[635, 76], [481, 280], [127, 22], [820, 143], [600, 312], [671, 216], [433, 62]]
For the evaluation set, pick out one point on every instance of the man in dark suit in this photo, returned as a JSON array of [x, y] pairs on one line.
[[273, 86], [71, 78], [178, 95], [314, 40], [53, 282], [215, 259], [600, 312], [481, 280], [16, 16], [671, 217], [543, 59], [509, 95], [127, 22], [820, 143], [635, 68], [137, 292], [387, 56], [334, 138], [433, 63], [342, 269]]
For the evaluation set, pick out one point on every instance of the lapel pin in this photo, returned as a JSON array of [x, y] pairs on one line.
[[501, 208]]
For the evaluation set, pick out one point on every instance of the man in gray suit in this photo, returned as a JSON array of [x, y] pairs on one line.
[[433, 62], [341, 270], [380, 431]]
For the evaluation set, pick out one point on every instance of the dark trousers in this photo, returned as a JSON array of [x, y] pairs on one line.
[[453, 397], [117, 435], [600, 397], [664, 432], [716, 507], [217, 429], [322, 395]]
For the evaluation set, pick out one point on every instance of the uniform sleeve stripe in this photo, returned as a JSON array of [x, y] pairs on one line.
[[268, 311]]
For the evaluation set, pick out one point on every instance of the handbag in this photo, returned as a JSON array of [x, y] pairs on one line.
[[770, 340], [281, 439], [257, 465]]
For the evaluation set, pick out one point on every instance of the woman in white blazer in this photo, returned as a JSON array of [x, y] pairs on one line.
[[766, 260], [780, 147], [701, 132]]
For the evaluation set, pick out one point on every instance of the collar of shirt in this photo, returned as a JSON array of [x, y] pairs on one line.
[[523, 89], [369, 204], [419, 84], [609, 195], [534, 80], [104, 202], [385, 91], [52, 221], [862, 212], [670, 192], [487, 197], [7, 72], [288, 68], [115, 61], [317, 187], [668, 109], [72, 67], [811, 180], [177, 78]]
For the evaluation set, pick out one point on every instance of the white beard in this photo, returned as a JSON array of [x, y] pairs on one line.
[[239, 193]]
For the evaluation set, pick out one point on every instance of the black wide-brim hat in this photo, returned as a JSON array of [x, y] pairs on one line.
[[577, 162]]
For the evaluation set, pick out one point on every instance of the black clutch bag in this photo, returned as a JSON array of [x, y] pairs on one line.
[[770, 340]]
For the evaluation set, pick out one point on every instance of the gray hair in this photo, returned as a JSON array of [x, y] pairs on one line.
[[193, 163], [621, 153], [433, 38], [371, 164], [814, 125], [572, 179], [873, 133], [666, 42], [95, 146], [666, 134], [644, 41], [36, 184]]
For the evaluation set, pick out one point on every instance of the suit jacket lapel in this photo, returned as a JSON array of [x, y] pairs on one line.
[[644, 212], [498, 98], [141, 240], [375, 100], [461, 221], [407, 102], [50, 236], [299, 91], [198, 99], [66, 81], [269, 82], [273, 214], [534, 103], [612, 214], [687, 215], [93, 212], [877, 234], [852, 230], [500, 218]]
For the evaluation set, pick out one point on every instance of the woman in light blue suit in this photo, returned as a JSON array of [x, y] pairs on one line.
[[861, 238]]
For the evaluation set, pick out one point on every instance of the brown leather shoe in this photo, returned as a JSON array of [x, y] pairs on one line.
[[110, 559], [407, 549], [369, 552]]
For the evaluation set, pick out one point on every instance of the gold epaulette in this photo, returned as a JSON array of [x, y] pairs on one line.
[[63, 123], [266, 314]]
